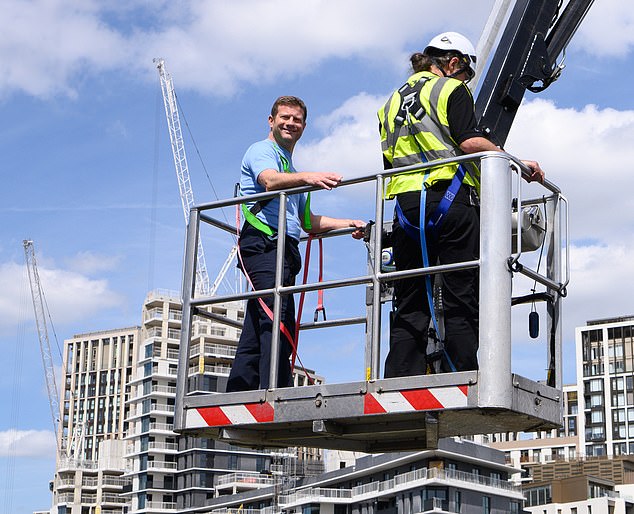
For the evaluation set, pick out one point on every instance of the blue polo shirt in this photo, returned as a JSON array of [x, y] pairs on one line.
[[265, 155]]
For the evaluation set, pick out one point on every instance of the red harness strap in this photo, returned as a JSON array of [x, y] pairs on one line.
[[264, 306], [292, 339]]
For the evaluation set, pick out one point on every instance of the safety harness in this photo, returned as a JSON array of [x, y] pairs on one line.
[[411, 106], [250, 213]]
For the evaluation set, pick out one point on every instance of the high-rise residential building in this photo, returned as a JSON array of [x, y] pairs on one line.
[[172, 473], [96, 368], [605, 379]]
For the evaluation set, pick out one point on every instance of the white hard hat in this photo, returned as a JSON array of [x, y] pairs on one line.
[[448, 41]]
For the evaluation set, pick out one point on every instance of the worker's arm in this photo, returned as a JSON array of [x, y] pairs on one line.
[[273, 180], [462, 125], [481, 144], [321, 224]]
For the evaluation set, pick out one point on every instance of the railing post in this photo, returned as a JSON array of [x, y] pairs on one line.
[[494, 355], [188, 288], [375, 345], [553, 270], [277, 298]]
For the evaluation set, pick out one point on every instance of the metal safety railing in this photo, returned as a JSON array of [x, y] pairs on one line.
[[497, 263]]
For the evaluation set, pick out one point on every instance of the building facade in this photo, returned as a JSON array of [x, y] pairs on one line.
[[459, 476], [96, 368], [605, 377], [172, 473]]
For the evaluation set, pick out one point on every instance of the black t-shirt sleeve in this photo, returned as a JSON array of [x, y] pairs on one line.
[[461, 115]]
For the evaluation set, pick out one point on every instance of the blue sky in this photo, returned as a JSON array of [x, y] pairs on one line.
[[88, 172]]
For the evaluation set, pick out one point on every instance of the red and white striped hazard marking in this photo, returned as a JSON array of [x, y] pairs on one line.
[[243, 414], [433, 398]]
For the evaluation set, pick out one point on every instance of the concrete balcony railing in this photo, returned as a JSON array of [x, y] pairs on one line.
[[158, 464], [405, 480], [161, 505], [215, 369], [249, 479]]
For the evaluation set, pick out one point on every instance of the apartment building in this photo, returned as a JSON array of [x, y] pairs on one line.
[[605, 378], [172, 473], [458, 476], [96, 368]]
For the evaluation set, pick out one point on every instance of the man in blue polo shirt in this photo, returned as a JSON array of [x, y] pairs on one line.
[[267, 166]]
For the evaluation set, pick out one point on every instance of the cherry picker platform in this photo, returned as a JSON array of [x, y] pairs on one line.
[[378, 415]]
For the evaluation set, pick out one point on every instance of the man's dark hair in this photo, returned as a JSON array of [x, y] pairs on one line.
[[289, 100]]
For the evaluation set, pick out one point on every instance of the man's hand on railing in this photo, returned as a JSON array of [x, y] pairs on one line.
[[325, 224], [537, 174], [359, 225], [325, 180]]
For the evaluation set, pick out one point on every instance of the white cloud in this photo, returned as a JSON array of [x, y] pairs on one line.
[[70, 296], [586, 152], [46, 42], [608, 29], [88, 263], [27, 443], [350, 142], [210, 46]]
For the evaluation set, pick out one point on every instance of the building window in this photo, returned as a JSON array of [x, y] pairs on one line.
[[486, 505], [457, 501]]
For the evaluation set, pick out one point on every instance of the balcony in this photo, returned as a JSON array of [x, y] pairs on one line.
[[243, 481], [113, 498], [153, 314], [115, 481], [156, 445], [216, 369], [65, 483], [401, 482], [161, 505], [165, 427], [214, 350], [161, 465], [66, 498]]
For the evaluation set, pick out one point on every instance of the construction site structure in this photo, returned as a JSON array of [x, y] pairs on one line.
[[180, 163], [41, 313]]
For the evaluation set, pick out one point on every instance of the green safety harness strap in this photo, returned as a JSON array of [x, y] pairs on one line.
[[250, 214]]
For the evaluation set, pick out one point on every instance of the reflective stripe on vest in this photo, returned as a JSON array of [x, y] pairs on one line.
[[402, 143]]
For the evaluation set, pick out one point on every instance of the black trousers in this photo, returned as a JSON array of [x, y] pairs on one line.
[[457, 241], [250, 369]]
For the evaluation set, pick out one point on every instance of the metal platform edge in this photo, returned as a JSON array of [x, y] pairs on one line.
[[382, 415]]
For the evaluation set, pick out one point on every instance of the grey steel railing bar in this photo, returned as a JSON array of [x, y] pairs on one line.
[[534, 275], [277, 297], [217, 223], [360, 320], [413, 168], [565, 282], [333, 284], [217, 317], [375, 357], [494, 191]]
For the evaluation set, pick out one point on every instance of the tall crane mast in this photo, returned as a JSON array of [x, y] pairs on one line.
[[42, 331], [182, 171]]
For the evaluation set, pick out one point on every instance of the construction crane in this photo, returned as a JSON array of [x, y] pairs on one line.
[[182, 171], [39, 306]]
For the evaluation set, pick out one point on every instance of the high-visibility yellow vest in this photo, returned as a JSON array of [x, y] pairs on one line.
[[426, 131]]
